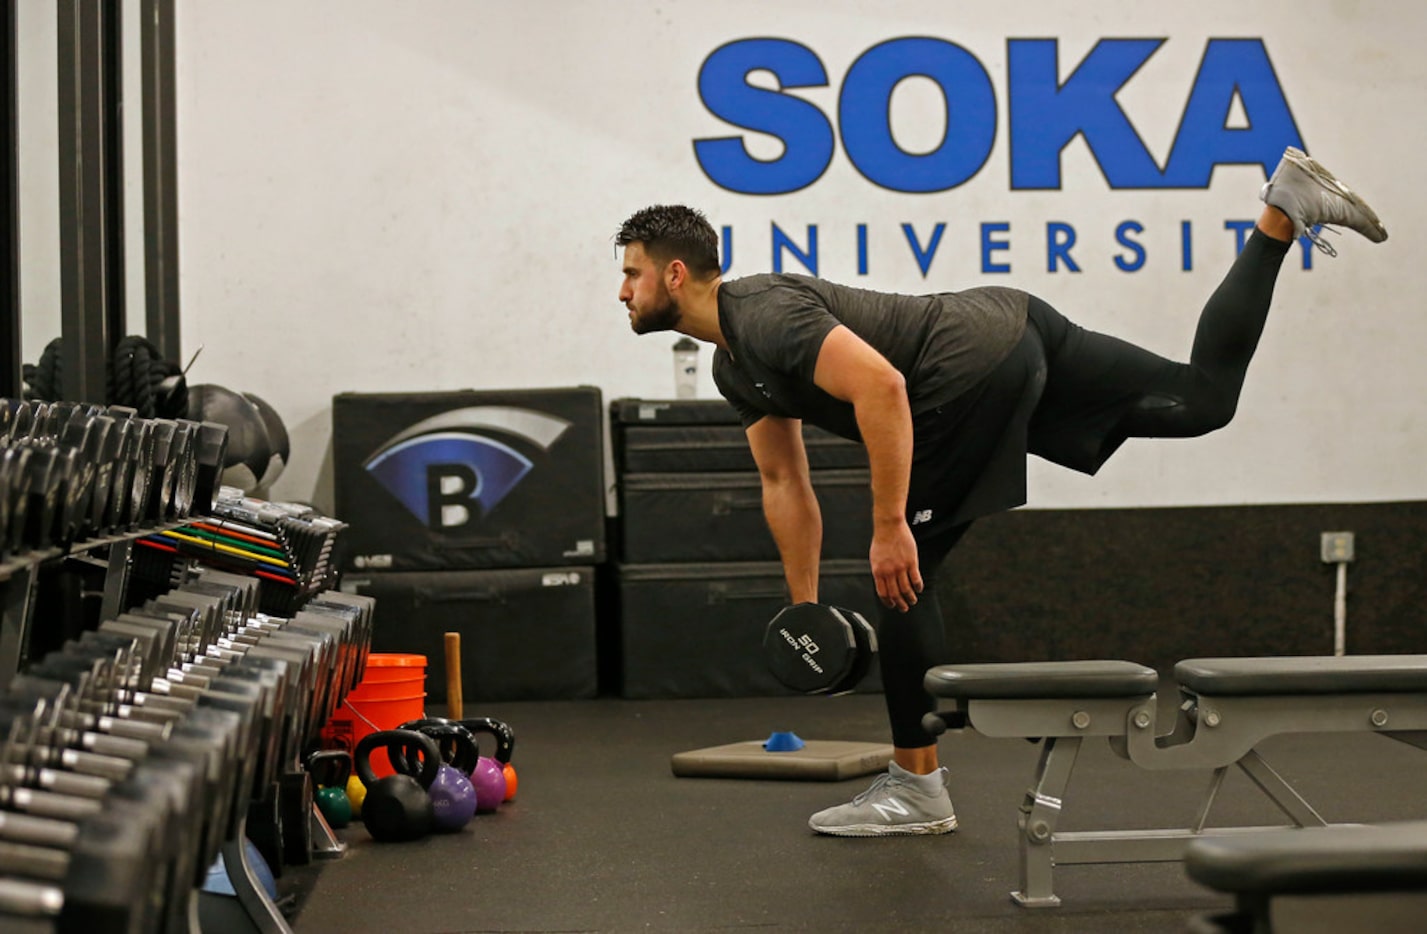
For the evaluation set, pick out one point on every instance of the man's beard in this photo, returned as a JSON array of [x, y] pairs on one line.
[[663, 317]]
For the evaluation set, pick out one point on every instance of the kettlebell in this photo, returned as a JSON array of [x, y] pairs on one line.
[[454, 751], [494, 777], [397, 807], [356, 794], [330, 770], [453, 798]]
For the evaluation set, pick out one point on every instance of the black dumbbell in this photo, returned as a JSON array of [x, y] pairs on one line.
[[815, 648], [121, 480], [142, 475], [8, 459], [102, 449], [164, 443], [112, 875], [236, 663], [69, 848], [210, 450], [8, 407], [39, 484], [21, 730], [201, 751], [74, 436]]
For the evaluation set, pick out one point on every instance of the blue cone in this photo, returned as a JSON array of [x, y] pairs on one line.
[[784, 742]]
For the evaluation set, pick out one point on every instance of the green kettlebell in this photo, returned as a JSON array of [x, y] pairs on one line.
[[397, 807], [330, 770]]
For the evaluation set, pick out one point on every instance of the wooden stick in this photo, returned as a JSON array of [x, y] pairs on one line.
[[454, 703]]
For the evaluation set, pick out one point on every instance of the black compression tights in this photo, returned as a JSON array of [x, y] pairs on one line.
[[1162, 399]]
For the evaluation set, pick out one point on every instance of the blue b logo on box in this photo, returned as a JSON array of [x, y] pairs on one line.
[[448, 471]]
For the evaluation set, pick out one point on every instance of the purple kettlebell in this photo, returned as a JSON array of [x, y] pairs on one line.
[[489, 773], [453, 796]]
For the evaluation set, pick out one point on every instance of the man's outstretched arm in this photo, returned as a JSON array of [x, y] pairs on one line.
[[788, 501], [850, 369]]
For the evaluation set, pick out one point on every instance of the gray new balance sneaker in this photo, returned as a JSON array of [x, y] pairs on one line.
[[1309, 194], [897, 803]]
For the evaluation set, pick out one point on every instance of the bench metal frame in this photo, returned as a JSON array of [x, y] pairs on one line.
[[1214, 732]]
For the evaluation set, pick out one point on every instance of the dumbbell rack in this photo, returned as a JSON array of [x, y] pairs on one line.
[[304, 670], [288, 548], [18, 576], [81, 483], [259, 910], [81, 487]]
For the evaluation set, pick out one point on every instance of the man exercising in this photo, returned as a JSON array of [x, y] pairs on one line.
[[948, 393]]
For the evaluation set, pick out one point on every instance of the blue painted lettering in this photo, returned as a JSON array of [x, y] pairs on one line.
[[1044, 114]]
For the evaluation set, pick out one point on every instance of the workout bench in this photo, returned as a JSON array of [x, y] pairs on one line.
[[1321, 880], [1229, 706]]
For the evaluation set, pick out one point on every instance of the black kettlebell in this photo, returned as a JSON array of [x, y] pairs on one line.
[[397, 807], [458, 747]]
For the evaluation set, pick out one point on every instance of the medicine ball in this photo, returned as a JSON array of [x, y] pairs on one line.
[[249, 448], [278, 442]]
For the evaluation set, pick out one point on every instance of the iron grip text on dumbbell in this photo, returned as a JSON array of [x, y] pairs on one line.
[[806, 643]]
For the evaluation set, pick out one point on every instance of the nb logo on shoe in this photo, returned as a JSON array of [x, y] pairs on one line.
[[891, 807], [448, 470]]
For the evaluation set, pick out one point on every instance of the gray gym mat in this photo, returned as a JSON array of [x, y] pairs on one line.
[[818, 761]]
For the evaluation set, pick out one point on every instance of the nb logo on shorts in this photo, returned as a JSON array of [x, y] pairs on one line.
[[921, 515]]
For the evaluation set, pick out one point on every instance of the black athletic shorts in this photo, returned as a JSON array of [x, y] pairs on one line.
[[1061, 394]]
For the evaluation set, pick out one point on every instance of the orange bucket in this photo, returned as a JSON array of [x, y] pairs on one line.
[[391, 666], [392, 691]]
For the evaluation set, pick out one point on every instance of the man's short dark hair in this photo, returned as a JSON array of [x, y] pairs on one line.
[[673, 231]]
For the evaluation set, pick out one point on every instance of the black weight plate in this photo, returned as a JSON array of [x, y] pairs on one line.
[[866, 638], [165, 470], [809, 648], [186, 463], [101, 448], [141, 481], [121, 477]]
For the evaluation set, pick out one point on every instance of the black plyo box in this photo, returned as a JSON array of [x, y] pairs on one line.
[[651, 436], [719, 516], [526, 633], [697, 630], [470, 479]]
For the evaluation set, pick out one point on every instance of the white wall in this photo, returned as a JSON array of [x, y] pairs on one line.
[[419, 196]]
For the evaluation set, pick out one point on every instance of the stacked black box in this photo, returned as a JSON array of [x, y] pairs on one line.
[[698, 572], [483, 513]]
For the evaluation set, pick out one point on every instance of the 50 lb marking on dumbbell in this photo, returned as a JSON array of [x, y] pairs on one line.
[[814, 648]]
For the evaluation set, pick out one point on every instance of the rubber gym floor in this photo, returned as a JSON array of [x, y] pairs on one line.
[[603, 837]]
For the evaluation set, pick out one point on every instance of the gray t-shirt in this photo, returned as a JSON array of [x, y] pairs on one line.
[[775, 325]]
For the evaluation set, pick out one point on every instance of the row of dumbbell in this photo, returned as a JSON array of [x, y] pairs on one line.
[[124, 770], [71, 471]]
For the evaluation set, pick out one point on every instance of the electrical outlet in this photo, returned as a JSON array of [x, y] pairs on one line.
[[1337, 547]]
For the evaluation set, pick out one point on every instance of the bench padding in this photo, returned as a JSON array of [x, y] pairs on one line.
[[1036, 680], [1314, 860], [1331, 674]]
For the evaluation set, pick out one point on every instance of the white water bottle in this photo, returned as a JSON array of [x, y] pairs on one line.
[[686, 368]]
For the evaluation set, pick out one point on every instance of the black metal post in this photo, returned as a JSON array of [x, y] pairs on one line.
[[111, 35], [160, 178], [86, 198]]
